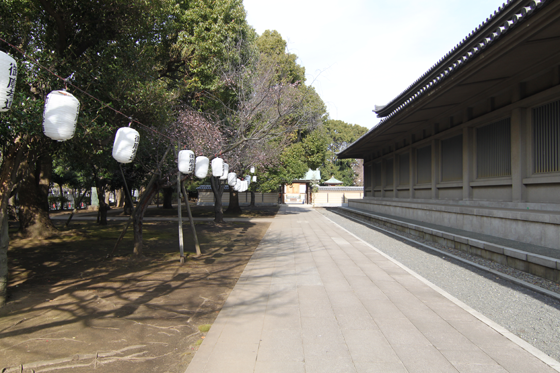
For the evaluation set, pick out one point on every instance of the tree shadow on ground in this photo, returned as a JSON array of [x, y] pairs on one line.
[[70, 308]]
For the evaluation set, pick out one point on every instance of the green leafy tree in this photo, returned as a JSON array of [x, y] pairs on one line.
[[263, 112], [207, 36], [273, 47], [307, 151], [112, 49], [340, 135]]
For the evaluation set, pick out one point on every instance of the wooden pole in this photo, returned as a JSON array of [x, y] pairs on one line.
[[75, 206], [196, 245], [179, 214]]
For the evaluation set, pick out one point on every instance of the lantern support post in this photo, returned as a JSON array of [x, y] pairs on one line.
[[196, 244], [126, 188], [181, 250]]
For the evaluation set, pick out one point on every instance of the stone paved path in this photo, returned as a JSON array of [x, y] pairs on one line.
[[315, 298]]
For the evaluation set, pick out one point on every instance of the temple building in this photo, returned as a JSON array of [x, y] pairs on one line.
[[474, 143]]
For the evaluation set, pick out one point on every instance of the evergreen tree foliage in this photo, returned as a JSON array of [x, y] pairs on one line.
[[340, 135]]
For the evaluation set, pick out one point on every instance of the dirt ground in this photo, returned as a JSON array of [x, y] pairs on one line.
[[71, 309]]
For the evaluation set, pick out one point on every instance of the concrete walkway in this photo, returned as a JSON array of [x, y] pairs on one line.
[[315, 298]]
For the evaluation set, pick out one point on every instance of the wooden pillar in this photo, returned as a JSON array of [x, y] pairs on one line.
[[520, 125], [395, 175], [383, 181], [411, 173], [468, 162], [435, 168]]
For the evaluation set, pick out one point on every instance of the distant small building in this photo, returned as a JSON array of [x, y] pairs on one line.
[[333, 182], [300, 190]]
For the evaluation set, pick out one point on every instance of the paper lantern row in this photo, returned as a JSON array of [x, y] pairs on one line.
[[239, 185], [61, 115], [187, 163], [61, 108]]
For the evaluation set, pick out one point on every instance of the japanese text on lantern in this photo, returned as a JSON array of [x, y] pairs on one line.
[[11, 86]]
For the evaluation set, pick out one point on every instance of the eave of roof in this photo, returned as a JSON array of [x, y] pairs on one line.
[[507, 17], [332, 180]]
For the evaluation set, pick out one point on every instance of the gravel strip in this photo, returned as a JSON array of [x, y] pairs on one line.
[[530, 315], [524, 276]]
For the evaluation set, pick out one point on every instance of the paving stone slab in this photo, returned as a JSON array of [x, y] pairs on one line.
[[315, 298]]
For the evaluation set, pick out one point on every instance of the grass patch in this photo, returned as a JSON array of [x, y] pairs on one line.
[[204, 328]]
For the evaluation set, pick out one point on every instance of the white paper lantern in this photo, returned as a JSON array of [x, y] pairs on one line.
[[60, 115], [237, 185], [217, 167], [201, 167], [248, 180], [254, 179], [8, 75], [186, 161], [252, 170], [126, 144], [244, 186], [226, 171], [232, 179]]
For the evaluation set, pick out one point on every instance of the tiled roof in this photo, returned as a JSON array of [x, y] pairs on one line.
[[312, 175], [461, 54], [502, 21], [332, 180]]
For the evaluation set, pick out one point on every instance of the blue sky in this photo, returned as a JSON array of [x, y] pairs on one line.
[[360, 53]]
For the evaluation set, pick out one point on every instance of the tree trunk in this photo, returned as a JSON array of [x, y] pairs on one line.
[[61, 197], [138, 213], [34, 197], [252, 199], [233, 207], [218, 190], [77, 203], [138, 218], [167, 197], [119, 194], [103, 207], [108, 199], [10, 163], [128, 207]]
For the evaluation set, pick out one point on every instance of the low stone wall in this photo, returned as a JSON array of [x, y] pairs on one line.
[[537, 224], [206, 198], [538, 265]]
